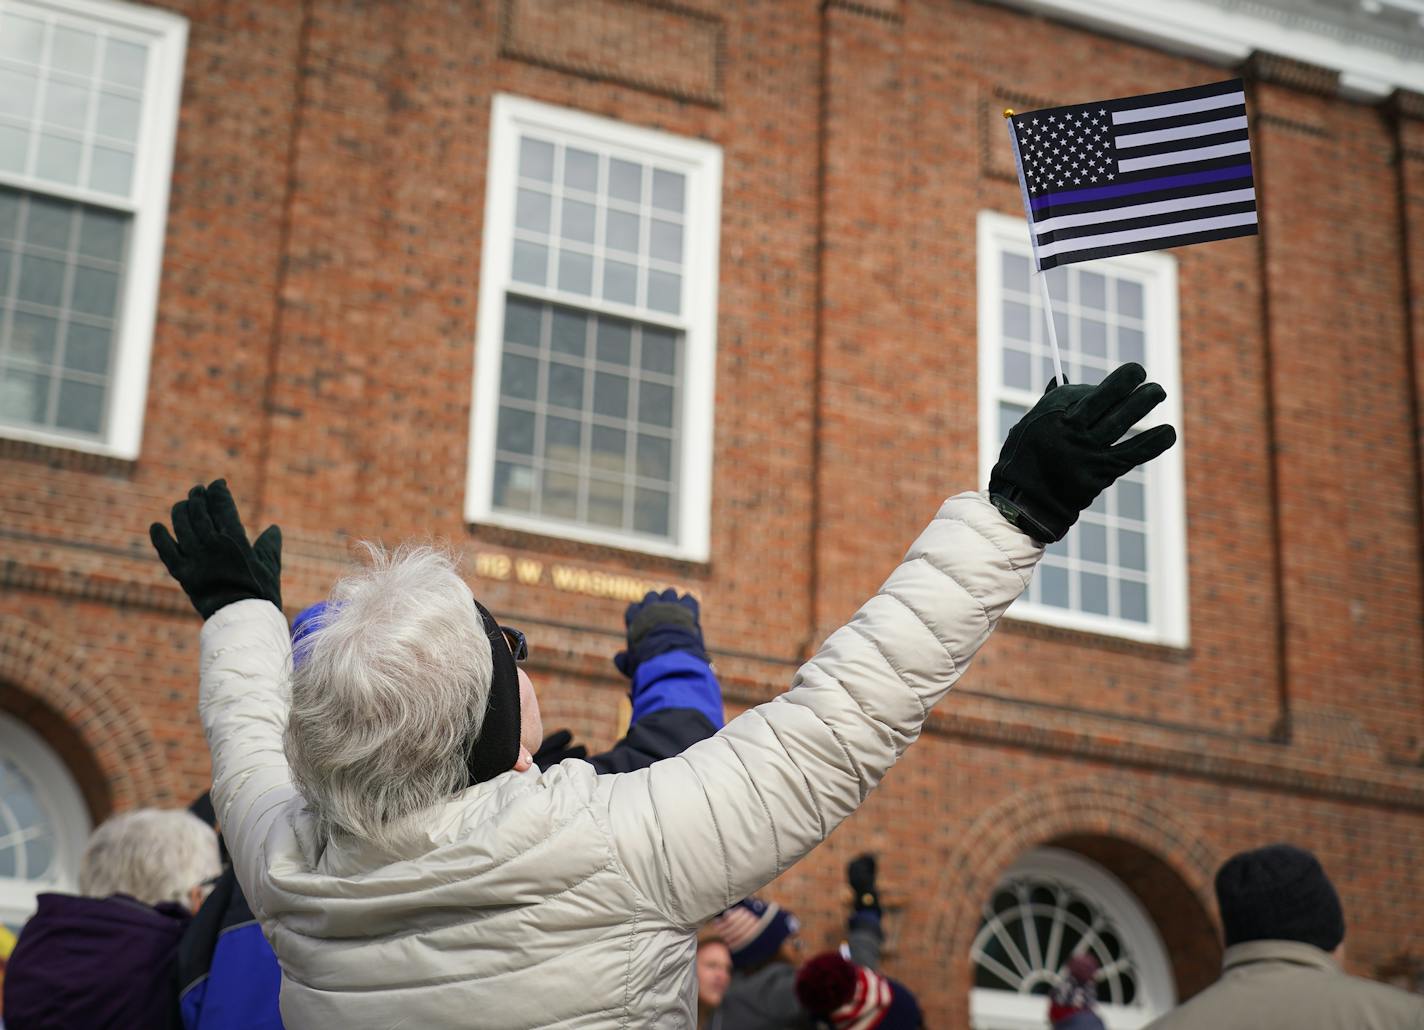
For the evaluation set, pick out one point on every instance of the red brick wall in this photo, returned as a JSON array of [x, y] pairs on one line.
[[314, 344]]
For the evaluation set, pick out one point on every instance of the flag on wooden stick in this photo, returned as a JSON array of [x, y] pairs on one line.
[[1138, 173]]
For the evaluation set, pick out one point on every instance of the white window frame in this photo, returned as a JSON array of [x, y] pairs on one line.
[[1001, 1010], [166, 35], [1165, 494], [61, 800], [701, 163]]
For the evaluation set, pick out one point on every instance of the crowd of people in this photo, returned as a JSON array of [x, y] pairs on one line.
[[392, 840]]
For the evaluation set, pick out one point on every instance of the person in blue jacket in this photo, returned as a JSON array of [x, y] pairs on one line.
[[676, 698], [228, 977]]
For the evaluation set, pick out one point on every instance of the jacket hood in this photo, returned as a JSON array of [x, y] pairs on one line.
[[94, 962], [481, 849]]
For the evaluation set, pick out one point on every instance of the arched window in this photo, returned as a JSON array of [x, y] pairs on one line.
[[1051, 906], [43, 823]]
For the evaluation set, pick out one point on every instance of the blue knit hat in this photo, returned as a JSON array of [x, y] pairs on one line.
[[753, 930], [307, 622]]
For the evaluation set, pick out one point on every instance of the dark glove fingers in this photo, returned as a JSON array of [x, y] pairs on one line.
[[199, 520], [577, 751], [669, 595], [1111, 427], [556, 741], [268, 549], [657, 617], [1143, 447], [1102, 398], [620, 662], [167, 548], [552, 751], [222, 510], [690, 603], [861, 873], [182, 526], [631, 612]]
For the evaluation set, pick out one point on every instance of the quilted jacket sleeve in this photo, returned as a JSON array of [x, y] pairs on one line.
[[243, 697], [699, 832]]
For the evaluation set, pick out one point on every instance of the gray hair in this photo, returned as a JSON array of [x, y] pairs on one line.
[[388, 690], [151, 854]]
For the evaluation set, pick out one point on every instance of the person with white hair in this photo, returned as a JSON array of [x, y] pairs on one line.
[[105, 959], [410, 863], [152, 855]]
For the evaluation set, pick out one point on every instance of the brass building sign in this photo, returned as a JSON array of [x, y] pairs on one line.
[[570, 579]]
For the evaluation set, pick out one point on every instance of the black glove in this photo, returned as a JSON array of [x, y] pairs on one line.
[[861, 874], [657, 624], [556, 748], [1061, 454], [211, 559]]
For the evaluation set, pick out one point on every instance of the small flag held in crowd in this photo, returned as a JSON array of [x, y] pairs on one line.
[[1139, 173]]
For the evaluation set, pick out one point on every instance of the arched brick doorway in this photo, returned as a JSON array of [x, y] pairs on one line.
[[1188, 932], [71, 701], [1050, 906], [1145, 844]]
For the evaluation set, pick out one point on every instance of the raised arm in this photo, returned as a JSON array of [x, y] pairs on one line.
[[710, 827], [865, 935], [243, 698], [676, 699], [245, 660], [704, 830]]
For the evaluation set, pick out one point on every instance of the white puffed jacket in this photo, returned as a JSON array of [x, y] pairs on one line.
[[566, 898]]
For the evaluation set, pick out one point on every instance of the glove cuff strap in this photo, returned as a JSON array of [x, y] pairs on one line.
[[1020, 518]]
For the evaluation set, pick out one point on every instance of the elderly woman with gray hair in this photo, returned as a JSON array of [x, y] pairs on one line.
[[413, 867], [106, 958]]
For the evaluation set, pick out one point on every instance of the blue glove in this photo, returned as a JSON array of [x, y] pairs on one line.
[[657, 624]]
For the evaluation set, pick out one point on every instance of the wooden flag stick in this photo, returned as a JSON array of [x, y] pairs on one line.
[[1033, 241]]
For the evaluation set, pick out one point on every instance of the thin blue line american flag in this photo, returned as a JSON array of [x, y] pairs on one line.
[[1137, 173]]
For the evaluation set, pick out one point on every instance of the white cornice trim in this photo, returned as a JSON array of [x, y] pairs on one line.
[[1207, 31]]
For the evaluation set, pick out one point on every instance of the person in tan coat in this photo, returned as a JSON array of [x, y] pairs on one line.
[[1285, 933]]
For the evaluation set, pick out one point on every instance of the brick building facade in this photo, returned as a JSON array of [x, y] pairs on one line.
[[341, 250]]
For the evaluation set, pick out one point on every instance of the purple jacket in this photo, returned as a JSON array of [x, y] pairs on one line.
[[95, 963]]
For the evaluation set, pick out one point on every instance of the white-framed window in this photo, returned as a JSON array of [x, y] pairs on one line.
[[1052, 905], [44, 823], [88, 111], [592, 415], [1122, 569]]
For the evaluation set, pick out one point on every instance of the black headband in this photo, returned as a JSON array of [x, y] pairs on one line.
[[496, 749]]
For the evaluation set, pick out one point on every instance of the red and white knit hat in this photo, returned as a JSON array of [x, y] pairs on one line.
[[850, 996]]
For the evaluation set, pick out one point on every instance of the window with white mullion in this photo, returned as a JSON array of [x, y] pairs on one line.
[[43, 823], [88, 110], [602, 242], [91, 123], [1051, 906], [625, 311], [88, 84], [1122, 568], [635, 344], [645, 235], [585, 412]]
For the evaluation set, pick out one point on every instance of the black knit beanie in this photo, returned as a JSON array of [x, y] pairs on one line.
[[496, 749], [1279, 893]]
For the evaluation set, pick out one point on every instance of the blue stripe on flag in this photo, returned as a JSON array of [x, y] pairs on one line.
[[1140, 186]]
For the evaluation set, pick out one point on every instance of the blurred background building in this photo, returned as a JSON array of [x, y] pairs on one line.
[[728, 295]]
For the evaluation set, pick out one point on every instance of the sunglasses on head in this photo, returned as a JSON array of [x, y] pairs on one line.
[[518, 643]]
